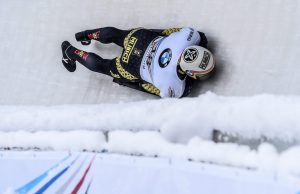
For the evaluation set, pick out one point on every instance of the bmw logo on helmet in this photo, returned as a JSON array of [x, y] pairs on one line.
[[165, 58]]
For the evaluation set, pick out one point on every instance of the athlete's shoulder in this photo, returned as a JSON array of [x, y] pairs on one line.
[[188, 35]]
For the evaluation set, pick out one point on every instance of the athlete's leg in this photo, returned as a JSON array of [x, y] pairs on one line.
[[90, 60], [104, 35]]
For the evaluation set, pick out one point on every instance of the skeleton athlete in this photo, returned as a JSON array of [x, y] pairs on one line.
[[160, 62]]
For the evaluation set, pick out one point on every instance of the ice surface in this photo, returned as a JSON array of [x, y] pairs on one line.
[[256, 44]]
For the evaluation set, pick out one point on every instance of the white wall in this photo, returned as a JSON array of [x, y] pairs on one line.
[[256, 44]]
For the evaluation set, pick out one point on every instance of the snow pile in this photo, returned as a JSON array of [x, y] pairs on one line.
[[265, 158], [153, 144], [53, 140], [178, 120]]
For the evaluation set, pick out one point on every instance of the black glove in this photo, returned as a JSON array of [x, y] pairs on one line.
[[83, 38], [203, 41]]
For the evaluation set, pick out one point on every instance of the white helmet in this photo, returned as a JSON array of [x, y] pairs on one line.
[[197, 62]]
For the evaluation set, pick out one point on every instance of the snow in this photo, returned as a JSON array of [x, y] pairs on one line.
[[271, 116], [55, 140]]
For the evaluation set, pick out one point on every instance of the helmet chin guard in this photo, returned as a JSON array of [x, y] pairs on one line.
[[197, 62]]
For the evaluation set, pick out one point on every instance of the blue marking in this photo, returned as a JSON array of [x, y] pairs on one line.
[[27, 187], [45, 187], [88, 187], [49, 183]]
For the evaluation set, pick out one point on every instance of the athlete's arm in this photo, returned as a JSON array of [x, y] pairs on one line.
[[188, 86], [104, 35]]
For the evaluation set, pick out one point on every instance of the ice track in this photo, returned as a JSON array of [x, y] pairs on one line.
[[256, 44]]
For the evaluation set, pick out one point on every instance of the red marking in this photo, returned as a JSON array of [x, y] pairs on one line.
[[85, 56], [77, 52], [82, 54], [94, 36], [79, 184], [90, 36]]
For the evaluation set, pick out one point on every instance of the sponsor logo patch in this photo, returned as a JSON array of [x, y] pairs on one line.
[[205, 60], [137, 52], [171, 92], [128, 49], [190, 55], [150, 54], [165, 58], [152, 51], [94, 35], [190, 35], [81, 54]]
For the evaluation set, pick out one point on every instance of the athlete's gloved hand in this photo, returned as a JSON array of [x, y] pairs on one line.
[[203, 40], [83, 38]]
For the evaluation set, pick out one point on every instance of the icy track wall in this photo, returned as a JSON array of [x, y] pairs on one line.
[[256, 44]]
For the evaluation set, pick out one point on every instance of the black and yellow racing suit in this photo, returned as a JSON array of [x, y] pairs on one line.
[[125, 69]]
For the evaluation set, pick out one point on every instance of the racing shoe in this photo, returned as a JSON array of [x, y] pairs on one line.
[[83, 38], [67, 60]]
